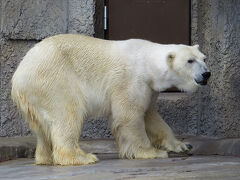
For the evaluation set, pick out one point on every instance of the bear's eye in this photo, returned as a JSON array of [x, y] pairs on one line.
[[191, 61]]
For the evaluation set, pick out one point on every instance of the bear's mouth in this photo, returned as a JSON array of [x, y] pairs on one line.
[[202, 82]]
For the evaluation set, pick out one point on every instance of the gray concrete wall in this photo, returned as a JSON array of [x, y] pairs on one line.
[[212, 111]]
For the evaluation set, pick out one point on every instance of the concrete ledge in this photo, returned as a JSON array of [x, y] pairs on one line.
[[207, 146], [17, 147], [24, 147]]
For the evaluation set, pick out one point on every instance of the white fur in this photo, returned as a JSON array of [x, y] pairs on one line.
[[66, 78]]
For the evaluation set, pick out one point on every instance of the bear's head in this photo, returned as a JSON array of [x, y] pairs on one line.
[[187, 67], [177, 65]]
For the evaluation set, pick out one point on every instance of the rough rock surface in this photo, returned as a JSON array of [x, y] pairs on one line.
[[33, 19], [11, 122], [219, 36], [81, 14], [96, 128]]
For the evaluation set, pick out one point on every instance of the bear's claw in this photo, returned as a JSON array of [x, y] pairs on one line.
[[189, 146]]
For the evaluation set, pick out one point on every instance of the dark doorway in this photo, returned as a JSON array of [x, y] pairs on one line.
[[162, 21]]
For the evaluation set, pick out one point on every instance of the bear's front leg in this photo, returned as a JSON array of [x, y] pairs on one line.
[[161, 135], [129, 129], [158, 131]]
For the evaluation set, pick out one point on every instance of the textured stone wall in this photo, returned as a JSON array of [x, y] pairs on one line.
[[33, 19], [220, 37], [81, 14], [11, 122], [214, 110]]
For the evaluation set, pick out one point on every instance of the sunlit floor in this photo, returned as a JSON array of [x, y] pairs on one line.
[[193, 167]]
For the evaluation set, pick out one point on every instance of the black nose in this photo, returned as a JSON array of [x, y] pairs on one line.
[[206, 75]]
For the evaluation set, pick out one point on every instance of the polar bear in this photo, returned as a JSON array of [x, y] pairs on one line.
[[65, 78]]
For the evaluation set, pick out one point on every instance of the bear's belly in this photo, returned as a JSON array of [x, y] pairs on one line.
[[98, 105]]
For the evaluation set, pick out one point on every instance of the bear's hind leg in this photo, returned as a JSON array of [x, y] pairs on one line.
[[43, 154], [65, 134]]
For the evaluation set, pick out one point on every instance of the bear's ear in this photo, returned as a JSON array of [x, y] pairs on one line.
[[170, 58], [196, 46]]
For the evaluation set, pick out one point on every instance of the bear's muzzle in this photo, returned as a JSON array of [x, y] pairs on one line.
[[204, 78]]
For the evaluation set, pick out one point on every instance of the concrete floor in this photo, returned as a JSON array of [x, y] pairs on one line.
[[185, 168]]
